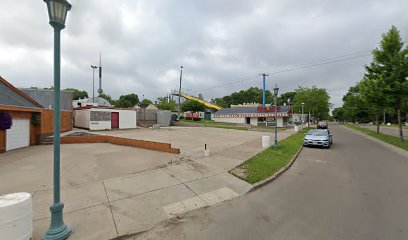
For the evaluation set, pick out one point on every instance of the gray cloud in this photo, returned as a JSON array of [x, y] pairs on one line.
[[143, 43]]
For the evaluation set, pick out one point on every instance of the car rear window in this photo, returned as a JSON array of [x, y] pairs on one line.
[[316, 132]]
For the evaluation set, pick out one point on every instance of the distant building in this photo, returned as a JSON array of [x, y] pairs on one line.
[[28, 117], [146, 114], [254, 115], [104, 118], [96, 101], [246, 105], [45, 97]]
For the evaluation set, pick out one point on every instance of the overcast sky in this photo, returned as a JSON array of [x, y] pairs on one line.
[[143, 43]]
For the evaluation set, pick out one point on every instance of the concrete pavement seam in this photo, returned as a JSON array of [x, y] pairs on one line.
[[76, 210], [184, 183], [276, 175], [110, 207]]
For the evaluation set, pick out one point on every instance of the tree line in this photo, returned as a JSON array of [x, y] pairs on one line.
[[316, 100], [383, 91]]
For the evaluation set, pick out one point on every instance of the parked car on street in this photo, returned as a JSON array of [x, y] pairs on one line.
[[322, 125], [318, 137]]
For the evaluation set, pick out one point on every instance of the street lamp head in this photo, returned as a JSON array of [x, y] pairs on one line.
[[276, 90], [57, 12], [181, 66], [92, 66], [303, 103]]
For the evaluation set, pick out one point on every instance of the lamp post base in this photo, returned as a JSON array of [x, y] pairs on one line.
[[58, 230]]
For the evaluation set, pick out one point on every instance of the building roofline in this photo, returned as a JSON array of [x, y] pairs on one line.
[[5, 82], [103, 107], [19, 108], [45, 90]]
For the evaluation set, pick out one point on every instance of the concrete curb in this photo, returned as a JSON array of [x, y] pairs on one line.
[[276, 175], [390, 147]]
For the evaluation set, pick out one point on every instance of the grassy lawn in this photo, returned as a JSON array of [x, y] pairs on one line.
[[271, 160], [383, 137], [208, 122]]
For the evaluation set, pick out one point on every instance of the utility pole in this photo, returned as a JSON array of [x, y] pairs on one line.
[[308, 120], [275, 92], [93, 82], [303, 119], [179, 95], [100, 74], [384, 117], [264, 90]]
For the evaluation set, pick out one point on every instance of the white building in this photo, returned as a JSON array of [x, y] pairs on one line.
[[104, 118], [96, 101], [254, 115]]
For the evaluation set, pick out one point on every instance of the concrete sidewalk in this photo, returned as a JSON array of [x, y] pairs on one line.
[[105, 199]]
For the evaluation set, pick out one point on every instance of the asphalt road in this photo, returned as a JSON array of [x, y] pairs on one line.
[[358, 189]]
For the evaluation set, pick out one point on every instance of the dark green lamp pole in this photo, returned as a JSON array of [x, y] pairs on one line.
[[275, 92], [57, 12]]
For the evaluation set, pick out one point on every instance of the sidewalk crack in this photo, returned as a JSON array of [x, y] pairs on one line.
[[110, 207]]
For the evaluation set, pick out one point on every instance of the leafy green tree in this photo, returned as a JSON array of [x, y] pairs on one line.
[[354, 106], [77, 94], [390, 68], [123, 103], [164, 103], [219, 102], [372, 93], [286, 98], [146, 101], [250, 95], [339, 114], [107, 97], [316, 100], [192, 106], [129, 100]]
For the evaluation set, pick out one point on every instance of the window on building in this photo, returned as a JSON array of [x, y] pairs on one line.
[[262, 119]]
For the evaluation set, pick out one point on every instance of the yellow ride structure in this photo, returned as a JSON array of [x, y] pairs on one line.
[[207, 104]]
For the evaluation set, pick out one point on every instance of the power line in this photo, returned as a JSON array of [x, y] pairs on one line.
[[319, 64], [342, 58]]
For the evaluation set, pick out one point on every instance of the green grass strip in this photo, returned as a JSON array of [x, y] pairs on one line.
[[393, 140], [271, 160]]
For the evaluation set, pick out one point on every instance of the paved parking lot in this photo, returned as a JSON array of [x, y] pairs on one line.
[[191, 140], [30, 169], [110, 190]]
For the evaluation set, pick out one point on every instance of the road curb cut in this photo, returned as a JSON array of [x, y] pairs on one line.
[[390, 147], [276, 175]]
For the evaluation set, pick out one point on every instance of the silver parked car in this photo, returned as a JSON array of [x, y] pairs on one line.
[[318, 137]]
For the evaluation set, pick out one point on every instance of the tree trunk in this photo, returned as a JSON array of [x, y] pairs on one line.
[[377, 121], [401, 134]]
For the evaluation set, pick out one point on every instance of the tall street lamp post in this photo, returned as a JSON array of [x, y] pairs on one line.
[[303, 104], [275, 92], [290, 116], [93, 82], [57, 12], [179, 106]]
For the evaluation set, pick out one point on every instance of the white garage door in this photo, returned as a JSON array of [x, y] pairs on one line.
[[18, 135]]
